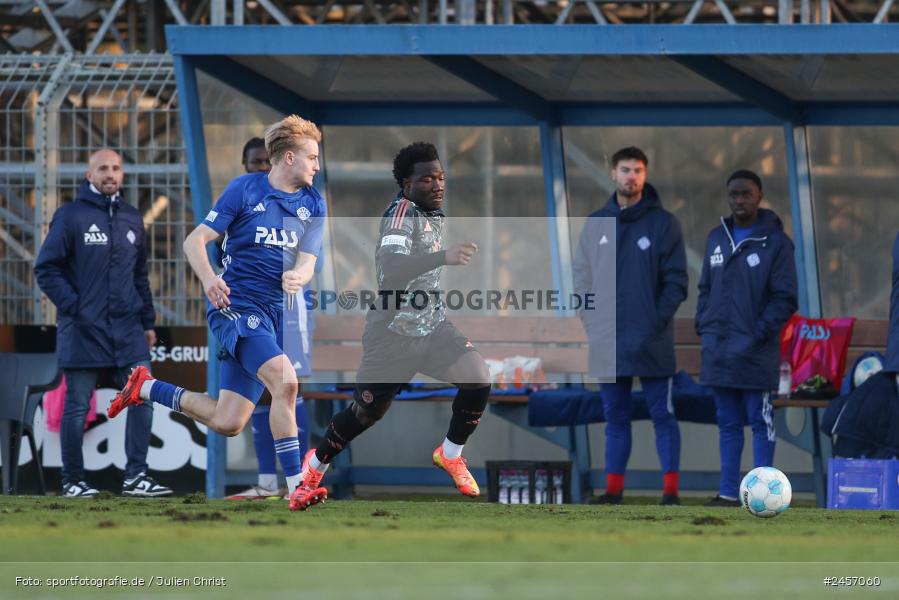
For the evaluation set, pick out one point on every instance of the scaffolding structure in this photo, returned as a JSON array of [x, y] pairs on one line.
[[55, 111], [59, 26]]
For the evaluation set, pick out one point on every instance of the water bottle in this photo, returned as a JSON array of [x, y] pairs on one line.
[[558, 497], [540, 488], [514, 488], [786, 380], [525, 487], [503, 487]]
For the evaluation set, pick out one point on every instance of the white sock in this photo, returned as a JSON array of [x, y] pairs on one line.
[[317, 464], [145, 389], [268, 481], [293, 482], [451, 450]]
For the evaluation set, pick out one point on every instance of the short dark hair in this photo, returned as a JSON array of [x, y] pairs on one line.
[[629, 153], [406, 159], [252, 144], [745, 174]]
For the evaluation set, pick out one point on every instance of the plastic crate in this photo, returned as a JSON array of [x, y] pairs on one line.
[[522, 478], [863, 484]]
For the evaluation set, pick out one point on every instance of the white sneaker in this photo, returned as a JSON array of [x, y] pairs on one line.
[[256, 492], [144, 486], [79, 489]]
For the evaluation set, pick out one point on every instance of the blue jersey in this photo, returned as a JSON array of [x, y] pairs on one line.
[[264, 230]]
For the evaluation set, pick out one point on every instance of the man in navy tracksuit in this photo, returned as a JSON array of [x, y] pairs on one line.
[[93, 267], [651, 283], [747, 293]]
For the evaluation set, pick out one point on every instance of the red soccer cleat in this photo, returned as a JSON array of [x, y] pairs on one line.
[[130, 394], [309, 493]]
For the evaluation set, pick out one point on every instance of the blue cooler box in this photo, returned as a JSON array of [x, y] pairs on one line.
[[862, 483]]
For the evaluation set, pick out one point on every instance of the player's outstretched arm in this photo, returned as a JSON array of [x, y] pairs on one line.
[[216, 289], [460, 254]]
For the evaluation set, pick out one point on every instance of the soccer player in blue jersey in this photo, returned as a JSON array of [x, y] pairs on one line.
[[297, 346], [273, 224]]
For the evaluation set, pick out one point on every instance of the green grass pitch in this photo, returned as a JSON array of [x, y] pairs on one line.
[[438, 548]]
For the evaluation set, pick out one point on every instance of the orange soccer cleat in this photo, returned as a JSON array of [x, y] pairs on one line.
[[130, 394], [310, 492], [458, 470]]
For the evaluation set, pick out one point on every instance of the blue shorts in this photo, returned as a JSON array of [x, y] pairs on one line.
[[250, 337]]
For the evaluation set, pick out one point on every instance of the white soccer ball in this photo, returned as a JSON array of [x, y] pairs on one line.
[[765, 492], [865, 368]]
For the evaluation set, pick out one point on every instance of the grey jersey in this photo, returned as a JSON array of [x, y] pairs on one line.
[[407, 229]]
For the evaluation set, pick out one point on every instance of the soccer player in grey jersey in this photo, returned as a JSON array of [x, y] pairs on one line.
[[399, 342]]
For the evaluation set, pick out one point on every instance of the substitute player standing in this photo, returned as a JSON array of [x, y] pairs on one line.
[[747, 293], [398, 343], [270, 220]]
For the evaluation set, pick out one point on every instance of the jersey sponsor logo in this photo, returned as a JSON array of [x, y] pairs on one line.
[[211, 216], [259, 208], [252, 321], [394, 240], [131, 237], [277, 237], [95, 237], [644, 243], [753, 260], [717, 257], [603, 240], [814, 332], [303, 213]]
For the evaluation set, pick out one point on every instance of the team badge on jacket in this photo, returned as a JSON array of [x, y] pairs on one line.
[[303, 213], [644, 243], [753, 260]]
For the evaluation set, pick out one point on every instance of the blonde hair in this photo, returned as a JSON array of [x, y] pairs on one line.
[[286, 134]]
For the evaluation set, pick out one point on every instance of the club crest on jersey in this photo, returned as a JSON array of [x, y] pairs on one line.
[[276, 237], [252, 321], [717, 257], [303, 213], [94, 237]]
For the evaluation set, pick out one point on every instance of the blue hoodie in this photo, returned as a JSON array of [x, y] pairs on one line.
[[651, 282], [747, 293], [93, 267], [892, 363]]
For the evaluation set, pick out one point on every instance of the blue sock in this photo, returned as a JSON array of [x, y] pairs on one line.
[[263, 441], [288, 450], [166, 394]]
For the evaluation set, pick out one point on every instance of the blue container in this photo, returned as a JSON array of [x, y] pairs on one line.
[[863, 483]]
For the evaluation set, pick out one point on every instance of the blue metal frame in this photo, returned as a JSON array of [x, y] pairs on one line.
[[201, 201], [455, 48], [533, 40]]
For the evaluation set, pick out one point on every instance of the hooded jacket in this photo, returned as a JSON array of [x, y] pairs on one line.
[[93, 267], [892, 362], [650, 283], [747, 292]]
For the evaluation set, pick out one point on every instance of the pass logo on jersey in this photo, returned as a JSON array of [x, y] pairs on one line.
[[277, 237]]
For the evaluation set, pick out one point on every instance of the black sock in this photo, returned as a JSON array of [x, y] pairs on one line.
[[468, 407], [343, 429]]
